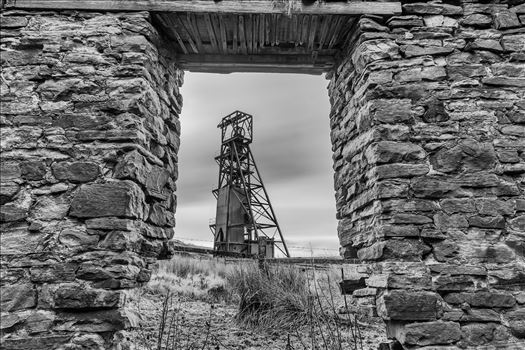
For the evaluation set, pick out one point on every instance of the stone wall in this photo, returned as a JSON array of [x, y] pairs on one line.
[[428, 133], [89, 141]]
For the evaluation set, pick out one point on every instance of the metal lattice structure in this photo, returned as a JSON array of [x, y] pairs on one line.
[[245, 223]]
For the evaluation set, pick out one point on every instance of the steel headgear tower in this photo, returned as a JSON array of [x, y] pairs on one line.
[[245, 223]]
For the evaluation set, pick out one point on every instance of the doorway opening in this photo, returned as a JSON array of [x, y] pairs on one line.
[[291, 145]]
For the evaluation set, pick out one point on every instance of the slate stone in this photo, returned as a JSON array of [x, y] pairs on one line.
[[17, 297], [484, 299], [405, 21], [408, 305], [424, 8], [453, 283], [431, 187], [60, 272], [391, 111], [76, 237], [50, 208], [110, 223], [404, 250], [394, 152], [506, 19], [400, 170], [485, 44], [76, 296], [496, 222], [516, 321], [415, 50], [477, 20], [488, 206], [136, 167], [11, 212], [475, 334], [458, 205], [431, 333], [75, 171], [32, 170], [513, 42], [119, 198]]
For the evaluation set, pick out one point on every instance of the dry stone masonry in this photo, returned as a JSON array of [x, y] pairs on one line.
[[428, 134], [89, 141]]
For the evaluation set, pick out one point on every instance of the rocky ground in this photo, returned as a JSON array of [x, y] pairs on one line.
[[208, 321]]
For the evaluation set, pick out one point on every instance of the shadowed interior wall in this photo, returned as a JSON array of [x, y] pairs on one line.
[[428, 133], [89, 141]]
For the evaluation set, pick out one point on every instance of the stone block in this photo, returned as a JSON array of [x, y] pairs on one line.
[[496, 222], [404, 250], [477, 20], [61, 272], [482, 299], [10, 213], [110, 223], [75, 171], [50, 208], [119, 198], [136, 167], [17, 297], [394, 152], [445, 283], [76, 296], [424, 8], [404, 305], [516, 320], [98, 321], [432, 187], [397, 170], [34, 343], [391, 111], [77, 237], [33, 170], [453, 269], [430, 333], [415, 50], [506, 19], [476, 334], [458, 205]]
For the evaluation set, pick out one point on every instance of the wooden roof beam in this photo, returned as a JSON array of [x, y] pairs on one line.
[[302, 64], [210, 6]]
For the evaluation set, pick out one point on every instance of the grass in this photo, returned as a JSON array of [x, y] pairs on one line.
[[192, 277], [302, 302]]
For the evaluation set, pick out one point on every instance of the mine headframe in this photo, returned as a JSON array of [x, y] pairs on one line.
[[245, 223]]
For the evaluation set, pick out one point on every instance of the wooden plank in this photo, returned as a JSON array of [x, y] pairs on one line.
[[313, 32], [194, 29], [324, 31], [207, 6], [242, 35], [256, 63], [178, 22], [235, 30], [172, 32], [222, 30], [211, 33], [249, 36]]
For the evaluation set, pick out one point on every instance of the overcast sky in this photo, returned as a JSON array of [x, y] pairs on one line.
[[291, 148]]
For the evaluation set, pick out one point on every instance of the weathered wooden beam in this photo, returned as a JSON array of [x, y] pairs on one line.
[[256, 63], [208, 6]]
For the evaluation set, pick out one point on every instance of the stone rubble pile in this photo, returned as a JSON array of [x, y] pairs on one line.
[[428, 134]]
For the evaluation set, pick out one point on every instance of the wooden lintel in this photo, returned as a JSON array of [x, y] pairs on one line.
[[303, 64], [210, 6]]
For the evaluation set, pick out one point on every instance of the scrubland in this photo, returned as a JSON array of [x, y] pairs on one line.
[[198, 302]]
